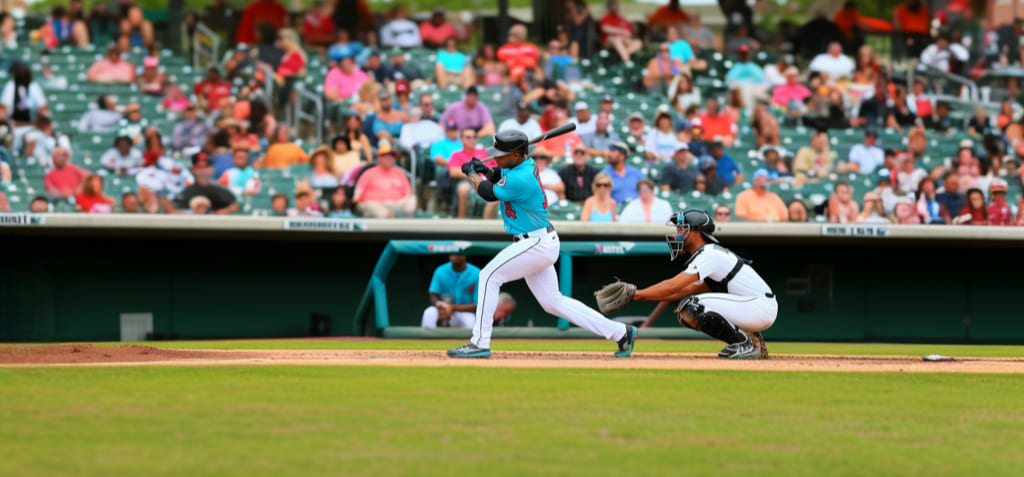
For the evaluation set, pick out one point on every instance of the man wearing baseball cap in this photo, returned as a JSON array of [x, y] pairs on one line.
[[746, 76], [384, 191], [585, 122], [709, 170], [758, 204], [624, 176], [441, 151], [470, 113], [999, 212], [637, 127]]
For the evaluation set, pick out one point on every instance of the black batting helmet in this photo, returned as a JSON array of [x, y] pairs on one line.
[[509, 141], [690, 220]]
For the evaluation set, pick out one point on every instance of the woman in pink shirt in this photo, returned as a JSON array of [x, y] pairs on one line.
[[344, 80], [792, 91]]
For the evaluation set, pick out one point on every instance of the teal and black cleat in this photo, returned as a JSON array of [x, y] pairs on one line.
[[626, 343], [469, 350]]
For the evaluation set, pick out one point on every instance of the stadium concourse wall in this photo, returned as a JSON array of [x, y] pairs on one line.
[[70, 277]]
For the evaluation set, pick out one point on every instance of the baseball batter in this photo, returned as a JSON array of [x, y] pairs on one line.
[[721, 293], [533, 252]]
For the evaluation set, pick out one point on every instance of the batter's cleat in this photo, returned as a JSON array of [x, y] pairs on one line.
[[758, 341], [626, 343], [469, 350]]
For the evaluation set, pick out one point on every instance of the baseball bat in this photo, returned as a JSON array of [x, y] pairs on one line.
[[560, 130]]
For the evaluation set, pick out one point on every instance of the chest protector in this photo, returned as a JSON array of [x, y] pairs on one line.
[[721, 286]]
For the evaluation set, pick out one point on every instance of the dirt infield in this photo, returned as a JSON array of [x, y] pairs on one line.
[[89, 355]]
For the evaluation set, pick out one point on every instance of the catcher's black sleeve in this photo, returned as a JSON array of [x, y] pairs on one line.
[[486, 191]]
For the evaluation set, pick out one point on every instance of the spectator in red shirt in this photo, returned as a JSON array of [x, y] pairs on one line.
[[91, 199], [617, 33], [317, 26], [294, 61], [974, 212], [519, 55], [437, 30], [65, 178], [211, 89], [999, 212], [260, 12], [717, 125], [666, 17]]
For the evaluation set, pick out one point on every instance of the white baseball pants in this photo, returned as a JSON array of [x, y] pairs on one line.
[[533, 258], [460, 319], [748, 313]]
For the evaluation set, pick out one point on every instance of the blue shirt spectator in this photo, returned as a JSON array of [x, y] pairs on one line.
[[727, 168], [623, 185], [745, 72], [680, 50], [452, 61]]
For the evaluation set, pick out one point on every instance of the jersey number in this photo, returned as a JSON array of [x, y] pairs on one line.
[[508, 210]]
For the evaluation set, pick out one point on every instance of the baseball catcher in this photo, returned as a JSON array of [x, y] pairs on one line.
[[721, 294]]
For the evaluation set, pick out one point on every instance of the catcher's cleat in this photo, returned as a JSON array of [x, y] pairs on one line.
[[469, 350], [627, 342], [758, 341], [742, 350]]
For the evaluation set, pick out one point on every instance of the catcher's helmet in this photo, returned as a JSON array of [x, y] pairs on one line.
[[692, 219], [509, 141]]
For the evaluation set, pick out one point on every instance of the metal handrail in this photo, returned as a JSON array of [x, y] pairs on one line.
[[204, 39], [931, 71], [299, 114]]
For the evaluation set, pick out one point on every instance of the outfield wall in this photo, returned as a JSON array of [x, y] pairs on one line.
[[70, 277]]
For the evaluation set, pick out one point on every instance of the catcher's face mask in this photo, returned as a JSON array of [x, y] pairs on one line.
[[684, 223], [676, 240]]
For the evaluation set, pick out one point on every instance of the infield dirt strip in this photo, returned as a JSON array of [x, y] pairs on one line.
[[134, 355]]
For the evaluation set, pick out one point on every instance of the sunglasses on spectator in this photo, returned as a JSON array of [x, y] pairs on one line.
[[602, 184], [722, 214], [542, 157], [470, 136], [579, 153]]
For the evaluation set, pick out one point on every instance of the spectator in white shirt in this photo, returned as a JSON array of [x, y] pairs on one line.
[[832, 64], [646, 208], [419, 131], [939, 54], [865, 157], [523, 122], [400, 31], [550, 181], [585, 122], [123, 158], [40, 141]]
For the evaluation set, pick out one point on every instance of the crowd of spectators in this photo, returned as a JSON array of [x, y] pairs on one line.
[[230, 134]]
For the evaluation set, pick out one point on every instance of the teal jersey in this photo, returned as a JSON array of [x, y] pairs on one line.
[[524, 206], [460, 285]]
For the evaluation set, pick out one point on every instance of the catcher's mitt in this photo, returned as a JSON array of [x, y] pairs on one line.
[[614, 296]]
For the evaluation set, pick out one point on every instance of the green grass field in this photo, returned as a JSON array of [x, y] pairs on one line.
[[325, 420]]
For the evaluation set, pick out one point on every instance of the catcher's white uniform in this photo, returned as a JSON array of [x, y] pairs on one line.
[[738, 293]]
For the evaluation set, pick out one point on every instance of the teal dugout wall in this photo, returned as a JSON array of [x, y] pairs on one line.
[[71, 284]]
